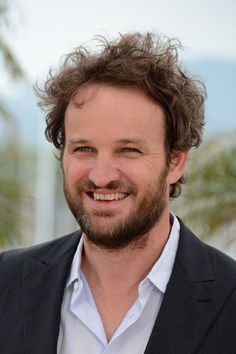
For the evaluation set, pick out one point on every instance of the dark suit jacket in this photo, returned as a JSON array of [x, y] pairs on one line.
[[198, 313]]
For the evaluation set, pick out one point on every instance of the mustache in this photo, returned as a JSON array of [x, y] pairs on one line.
[[87, 185]]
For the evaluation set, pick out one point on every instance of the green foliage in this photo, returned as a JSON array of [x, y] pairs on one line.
[[9, 60], [12, 189], [16, 201], [208, 202]]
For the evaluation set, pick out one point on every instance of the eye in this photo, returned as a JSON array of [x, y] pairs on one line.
[[83, 149], [130, 152], [130, 149]]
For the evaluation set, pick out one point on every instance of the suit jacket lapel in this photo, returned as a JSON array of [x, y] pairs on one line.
[[43, 285], [192, 300]]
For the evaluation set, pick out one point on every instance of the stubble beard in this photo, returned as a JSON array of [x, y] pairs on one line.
[[133, 230]]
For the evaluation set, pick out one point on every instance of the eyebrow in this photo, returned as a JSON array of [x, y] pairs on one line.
[[78, 141], [136, 141]]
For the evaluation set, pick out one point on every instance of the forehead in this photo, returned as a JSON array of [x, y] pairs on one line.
[[118, 111]]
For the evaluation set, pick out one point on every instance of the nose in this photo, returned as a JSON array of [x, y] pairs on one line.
[[104, 171]]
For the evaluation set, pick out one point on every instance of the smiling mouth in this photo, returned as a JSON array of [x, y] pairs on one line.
[[107, 196]]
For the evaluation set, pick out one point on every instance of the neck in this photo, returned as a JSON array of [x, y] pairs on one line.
[[128, 266]]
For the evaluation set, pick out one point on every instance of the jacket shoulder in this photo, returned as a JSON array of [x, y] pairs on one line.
[[201, 257], [12, 260], [222, 264]]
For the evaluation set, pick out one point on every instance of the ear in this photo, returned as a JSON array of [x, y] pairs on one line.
[[177, 166]]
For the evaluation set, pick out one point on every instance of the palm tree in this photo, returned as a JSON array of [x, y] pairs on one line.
[[9, 60], [10, 185], [208, 203]]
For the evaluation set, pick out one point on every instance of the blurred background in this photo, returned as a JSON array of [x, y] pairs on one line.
[[34, 35]]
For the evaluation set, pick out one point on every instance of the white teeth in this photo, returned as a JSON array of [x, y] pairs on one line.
[[113, 196]]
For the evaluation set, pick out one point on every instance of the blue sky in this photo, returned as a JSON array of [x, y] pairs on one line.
[[42, 31]]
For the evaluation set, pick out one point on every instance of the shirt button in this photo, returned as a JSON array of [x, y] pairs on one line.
[[76, 285]]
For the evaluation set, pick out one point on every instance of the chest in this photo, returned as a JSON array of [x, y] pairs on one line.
[[117, 331]]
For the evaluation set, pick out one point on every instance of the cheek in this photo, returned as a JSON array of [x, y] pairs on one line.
[[74, 171], [144, 171], [130, 170], [140, 177]]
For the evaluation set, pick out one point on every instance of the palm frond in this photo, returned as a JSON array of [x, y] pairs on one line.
[[208, 202], [14, 69]]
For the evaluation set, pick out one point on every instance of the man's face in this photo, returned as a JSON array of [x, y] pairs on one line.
[[115, 173]]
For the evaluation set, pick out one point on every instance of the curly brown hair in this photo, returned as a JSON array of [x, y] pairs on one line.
[[144, 61]]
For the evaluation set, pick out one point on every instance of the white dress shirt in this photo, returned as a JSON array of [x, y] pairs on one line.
[[81, 328]]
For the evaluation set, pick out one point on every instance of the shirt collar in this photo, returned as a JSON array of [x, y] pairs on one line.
[[76, 264], [161, 270]]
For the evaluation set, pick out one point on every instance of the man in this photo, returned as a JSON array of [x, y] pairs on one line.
[[135, 280]]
